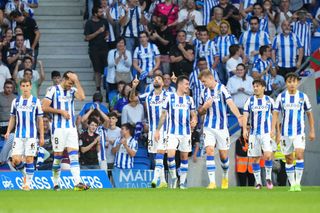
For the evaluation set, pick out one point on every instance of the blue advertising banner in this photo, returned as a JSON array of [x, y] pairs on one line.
[[132, 178], [43, 180]]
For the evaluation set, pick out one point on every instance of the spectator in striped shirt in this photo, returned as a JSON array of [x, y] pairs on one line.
[[206, 8], [253, 39], [262, 67], [125, 148], [146, 59], [132, 23], [303, 28], [223, 42], [284, 59], [284, 13]]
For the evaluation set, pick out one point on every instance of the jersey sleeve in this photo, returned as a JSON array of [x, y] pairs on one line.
[[202, 98], [246, 106], [143, 97], [272, 104], [39, 112], [134, 145], [135, 53], [225, 92], [156, 51], [13, 110], [116, 142], [277, 104], [50, 93], [307, 105], [192, 106], [166, 103]]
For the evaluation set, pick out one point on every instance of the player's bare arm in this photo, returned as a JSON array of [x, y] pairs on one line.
[[244, 125], [312, 135], [41, 131], [275, 115], [80, 95], [194, 119], [162, 119], [234, 109], [135, 83], [12, 122]]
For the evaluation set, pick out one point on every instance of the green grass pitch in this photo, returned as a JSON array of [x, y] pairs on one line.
[[235, 199]]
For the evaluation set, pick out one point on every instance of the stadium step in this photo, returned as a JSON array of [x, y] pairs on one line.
[[62, 45]]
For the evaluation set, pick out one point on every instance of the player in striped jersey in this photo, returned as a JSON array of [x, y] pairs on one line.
[[166, 83], [262, 67], [154, 101], [146, 60], [259, 108], [25, 114], [180, 110], [253, 39], [207, 5], [285, 47], [214, 101], [293, 105], [125, 148], [59, 101], [207, 49]]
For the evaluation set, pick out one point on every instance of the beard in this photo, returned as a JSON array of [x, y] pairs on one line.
[[156, 86]]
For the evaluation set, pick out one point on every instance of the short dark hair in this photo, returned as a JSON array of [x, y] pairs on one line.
[[242, 65], [113, 114], [182, 31], [259, 81], [20, 34], [16, 13], [181, 78], [263, 49], [25, 81], [233, 49], [158, 75], [254, 18], [27, 70], [27, 58], [65, 75], [292, 75], [201, 59], [203, 29], [129, 127], [121, 39], [95, 10], [55, 73], [97, 97], [8, 81], [143, 32], [94, 120]]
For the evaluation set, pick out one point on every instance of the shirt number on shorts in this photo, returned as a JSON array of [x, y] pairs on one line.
[[56, 141]]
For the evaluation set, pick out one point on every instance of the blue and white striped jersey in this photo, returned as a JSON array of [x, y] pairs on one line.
[[260, 112], [293, 108], [208, 51], [247, 3], [206, 10], [223, 43], [101, 130], [253, 41], [196, 85], [133, 27], [26, 112], [116, 11], [259, 66], [122, 159], [179, 110], [263, 22], [286, 49], [154, 104], [216, 116], [62, 99], [146, 58], [303, 31]]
